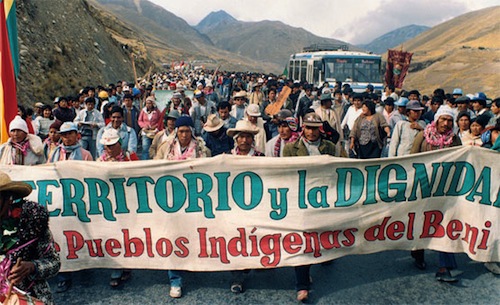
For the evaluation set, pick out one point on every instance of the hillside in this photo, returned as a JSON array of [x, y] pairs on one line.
[[462, 52], [169, 38], [64, 46], [389, 40], [271, 41]]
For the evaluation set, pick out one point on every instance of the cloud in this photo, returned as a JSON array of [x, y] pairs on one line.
[[393, 14]]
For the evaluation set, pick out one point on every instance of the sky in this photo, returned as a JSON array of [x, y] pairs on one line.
[[353, 21]]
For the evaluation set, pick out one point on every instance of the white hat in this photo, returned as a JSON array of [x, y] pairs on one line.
[[109, 137], [18, 123], [213, 123], [67, 127], [243, 126], [444, 110], [253, 110], [241, 93]]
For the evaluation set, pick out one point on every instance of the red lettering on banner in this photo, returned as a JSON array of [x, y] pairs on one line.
[[330, 239], [238, 245], [128, 242], [377, 231], [74, 240], [164, 247], [98, 246], [112, 244], [432, 221], [411, 221], [58, 248], [267, 249], [395, 230], [312, 238], [486, 234], [219, 242], [181, 243], [349, 234], [290, 241], [253, 240], [454, 226], [149, 242], [202, 237]]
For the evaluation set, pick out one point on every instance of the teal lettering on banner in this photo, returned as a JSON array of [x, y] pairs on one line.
[[98, 193], [422, 178], [141, 188], [195, 195], [280, 207], [484, 181], [467, 179], [444, 178], [312, 197], [179, 193], [302, 190], [223, 204], [356, 185], [256, 190], [371, 183], [120, 198], [45, 196], [384, 186], [73, 191]]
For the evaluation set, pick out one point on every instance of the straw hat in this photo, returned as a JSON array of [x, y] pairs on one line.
[[253, 110], [213, 123], [18, 189], [240, 93], [242, 126]]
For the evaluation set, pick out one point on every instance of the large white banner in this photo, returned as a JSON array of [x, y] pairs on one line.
[[232, 212]]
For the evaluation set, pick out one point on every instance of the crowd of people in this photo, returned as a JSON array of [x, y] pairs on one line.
[[253, 115]]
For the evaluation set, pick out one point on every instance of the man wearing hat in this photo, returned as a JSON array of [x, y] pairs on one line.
[[457, 92], [200, 110], [22, 148], [479, 104], [462, 103], [288, 128], [244, 139], [239, 106], [130, 113], [63, 112], [70, 149], [437, 135], [309, 144], [127, 134], [162, 135], [32, 256], [175, 103], [327, 114], [253, 116], [38, 110], [405, 131], [400, 113], [215, 136], [256, 96], [183, 144], [89, 121], [304, 103]]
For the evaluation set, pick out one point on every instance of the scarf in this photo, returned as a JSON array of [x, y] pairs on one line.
[[252, 152], [75, 153], [312, 147], [120, 158], [20, 151], [277, 145], [175, 152], [434, 138]]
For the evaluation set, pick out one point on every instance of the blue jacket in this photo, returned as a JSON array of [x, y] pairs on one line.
[[127, 134]]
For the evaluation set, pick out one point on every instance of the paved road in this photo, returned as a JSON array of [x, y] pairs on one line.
[[380, 278]]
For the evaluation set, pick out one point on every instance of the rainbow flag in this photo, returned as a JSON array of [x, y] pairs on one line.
[[8, 64]]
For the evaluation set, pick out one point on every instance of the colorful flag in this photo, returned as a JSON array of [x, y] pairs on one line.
[[398, 63], [8, 99]]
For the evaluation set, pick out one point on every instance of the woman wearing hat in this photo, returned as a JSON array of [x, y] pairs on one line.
[[22, 148], [183, 145], [32, 258]]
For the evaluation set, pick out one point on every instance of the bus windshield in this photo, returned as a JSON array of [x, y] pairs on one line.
[[355, 69]]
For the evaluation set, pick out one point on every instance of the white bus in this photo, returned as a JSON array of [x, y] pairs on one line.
[[327, 63]]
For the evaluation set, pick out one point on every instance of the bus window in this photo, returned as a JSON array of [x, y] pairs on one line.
[[303, 70], [366, 70], [290, 69], [296, 70], [338, 68], [316, 72]]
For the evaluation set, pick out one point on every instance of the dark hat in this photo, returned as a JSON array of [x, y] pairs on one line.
[[389, 101], [462, 100], [370, 87], [357, 96], [463, 113], [482, 120], [313, 120], [414, 92], [184, 121], [414, 105], [326, 97], [479, 96]]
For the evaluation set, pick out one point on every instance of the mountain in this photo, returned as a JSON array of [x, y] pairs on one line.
[[64, 46], [462, 52], [169, 38], [393, 38], [271, 41], [215, 19]]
